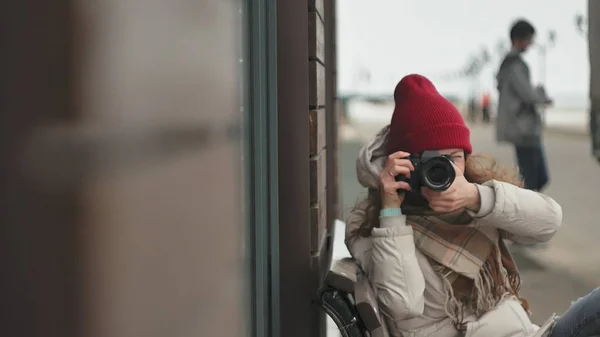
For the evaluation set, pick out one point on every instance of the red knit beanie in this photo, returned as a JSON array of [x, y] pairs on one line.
[[425, 120]]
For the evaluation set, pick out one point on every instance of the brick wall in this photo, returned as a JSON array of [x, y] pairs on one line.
[[323, 141], [317, 118]]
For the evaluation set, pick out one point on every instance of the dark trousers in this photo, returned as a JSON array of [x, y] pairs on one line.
[[485, 111], [533, 167], [472, 114]]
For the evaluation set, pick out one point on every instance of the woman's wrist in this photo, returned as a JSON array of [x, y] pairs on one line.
[[390, 205], [386, 212], [473, 202], [391, 201]]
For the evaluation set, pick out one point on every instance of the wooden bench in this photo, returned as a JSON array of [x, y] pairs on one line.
[[347, 297]]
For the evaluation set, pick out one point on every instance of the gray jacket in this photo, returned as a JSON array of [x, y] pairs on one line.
[[518, 121]]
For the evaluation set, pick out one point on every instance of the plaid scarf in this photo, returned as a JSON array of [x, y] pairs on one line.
[[477, 267]]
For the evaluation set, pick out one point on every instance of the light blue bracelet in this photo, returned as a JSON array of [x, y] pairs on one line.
[[390, 212]]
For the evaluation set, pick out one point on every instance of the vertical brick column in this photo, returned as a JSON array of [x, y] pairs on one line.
[[321, 147]]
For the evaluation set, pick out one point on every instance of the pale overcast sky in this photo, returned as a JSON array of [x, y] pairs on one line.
[[392, 38]]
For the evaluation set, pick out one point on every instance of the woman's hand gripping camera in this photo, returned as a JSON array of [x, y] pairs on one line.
[[460, 195]]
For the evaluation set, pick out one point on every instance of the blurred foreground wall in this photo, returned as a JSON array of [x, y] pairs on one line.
[[121, 180], [594, 52]]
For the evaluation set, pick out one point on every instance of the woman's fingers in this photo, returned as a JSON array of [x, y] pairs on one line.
[[392, 161], [457, 169], [399, 155], [399, 169], [444, 205], [399, 158], [401, 185], [396, 167], [448, 195], [404, 162], [441, 207], [393, 187]]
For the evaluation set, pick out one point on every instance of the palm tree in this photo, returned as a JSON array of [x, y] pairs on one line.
[[472, 68]]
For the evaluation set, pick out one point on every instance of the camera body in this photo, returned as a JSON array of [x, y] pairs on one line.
[[432, 170]]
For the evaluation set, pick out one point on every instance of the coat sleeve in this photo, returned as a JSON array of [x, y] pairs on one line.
[[522, 86], [525, 216], [389, 260]]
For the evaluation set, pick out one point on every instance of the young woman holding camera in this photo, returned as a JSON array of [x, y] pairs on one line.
[[436, 257]]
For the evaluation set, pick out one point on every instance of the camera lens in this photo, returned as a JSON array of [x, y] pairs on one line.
[[438, 174]]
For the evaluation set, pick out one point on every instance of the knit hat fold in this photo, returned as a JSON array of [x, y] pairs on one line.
[[425, 120]]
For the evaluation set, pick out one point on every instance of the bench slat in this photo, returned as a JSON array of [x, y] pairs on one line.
[[342, 275]]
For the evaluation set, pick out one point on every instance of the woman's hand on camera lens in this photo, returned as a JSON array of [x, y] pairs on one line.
[[396, 164], [460, 195]]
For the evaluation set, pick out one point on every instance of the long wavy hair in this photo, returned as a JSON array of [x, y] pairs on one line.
[[478, 169]]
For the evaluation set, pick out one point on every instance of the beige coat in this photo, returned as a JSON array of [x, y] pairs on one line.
[[410, 293]]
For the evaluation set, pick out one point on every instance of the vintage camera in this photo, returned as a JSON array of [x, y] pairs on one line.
[[432, 170]]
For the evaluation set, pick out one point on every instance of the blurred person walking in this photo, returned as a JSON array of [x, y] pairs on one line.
[[485, 107], [518, 120], [473, 109]]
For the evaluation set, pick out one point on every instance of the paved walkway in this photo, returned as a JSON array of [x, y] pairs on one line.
[[554, 275]]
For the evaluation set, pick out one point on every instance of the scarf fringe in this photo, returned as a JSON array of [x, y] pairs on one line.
[[484, 296]]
